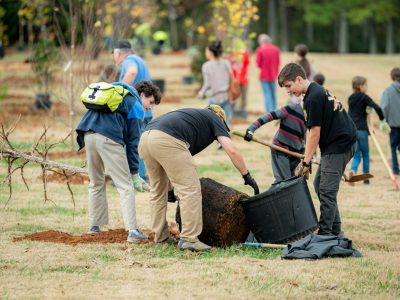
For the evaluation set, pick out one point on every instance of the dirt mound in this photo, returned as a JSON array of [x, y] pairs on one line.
[[105, 237], [66, 154], [74, 178]]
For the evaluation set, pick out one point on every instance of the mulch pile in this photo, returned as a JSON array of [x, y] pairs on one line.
[[105, 237]]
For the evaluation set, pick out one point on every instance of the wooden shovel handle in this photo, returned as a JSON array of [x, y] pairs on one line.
[[395, 184], [272, 146]]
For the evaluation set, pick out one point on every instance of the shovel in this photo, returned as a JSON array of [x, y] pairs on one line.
[[355, 178]]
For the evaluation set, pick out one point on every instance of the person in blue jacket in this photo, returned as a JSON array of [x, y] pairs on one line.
[[111, 140], [133, 70]]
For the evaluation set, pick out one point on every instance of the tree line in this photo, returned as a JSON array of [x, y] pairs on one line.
[[342, 26]]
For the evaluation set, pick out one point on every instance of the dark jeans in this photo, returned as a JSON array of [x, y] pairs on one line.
[[283, 165], [362, 152], [326, 184], [395, 146]]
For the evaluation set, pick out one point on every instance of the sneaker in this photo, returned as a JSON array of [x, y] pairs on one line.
[[194, 246], [366, 181], [94, 229], [136, 235]]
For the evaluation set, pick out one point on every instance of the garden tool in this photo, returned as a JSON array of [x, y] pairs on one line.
[[355, 178], [265, 245], [385, 162]]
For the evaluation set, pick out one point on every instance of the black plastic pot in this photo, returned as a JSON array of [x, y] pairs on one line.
[[187, 80], [43, 101], [160, 83], [283, 213]]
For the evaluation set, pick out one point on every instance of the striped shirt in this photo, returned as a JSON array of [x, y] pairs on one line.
[[292, 129]]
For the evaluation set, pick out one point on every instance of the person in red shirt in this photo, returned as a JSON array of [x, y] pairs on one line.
[[268, 60], [240, 60]]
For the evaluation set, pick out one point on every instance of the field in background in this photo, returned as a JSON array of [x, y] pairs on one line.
[[370, 214]]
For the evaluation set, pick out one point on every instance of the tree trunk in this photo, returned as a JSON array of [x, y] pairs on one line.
[[284, 25], [30, 34], [73, 19], [343, 45], [21, 33], [224, 221], [390, 47], [272, 20], [173, 31], [373, 42], [310, 32]]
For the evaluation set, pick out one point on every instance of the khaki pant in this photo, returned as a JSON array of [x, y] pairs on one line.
[[168, 158], [103, 154]]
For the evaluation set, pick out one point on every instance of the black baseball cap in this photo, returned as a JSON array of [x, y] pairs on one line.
[[122, 44]]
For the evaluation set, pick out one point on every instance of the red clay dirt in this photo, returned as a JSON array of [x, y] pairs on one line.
[[105, 237], [76, 178]]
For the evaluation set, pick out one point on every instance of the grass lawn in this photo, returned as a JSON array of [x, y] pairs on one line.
[[37, 270]]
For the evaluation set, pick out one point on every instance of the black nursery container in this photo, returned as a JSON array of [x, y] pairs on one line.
[[282, 214]]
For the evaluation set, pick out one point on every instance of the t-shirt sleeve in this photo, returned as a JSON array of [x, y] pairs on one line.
[[219, 128], [315, 109]]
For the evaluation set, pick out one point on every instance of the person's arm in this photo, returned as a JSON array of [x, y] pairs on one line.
[[130, 74], [233, 154], [375, 106], [206, 82], [258, 58], [268, 117], [385, 104], [312, 141]]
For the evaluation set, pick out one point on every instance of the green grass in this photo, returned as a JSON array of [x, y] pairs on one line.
[[27, 228], [105, 258], [68, 269], [45, 211], [171, 251], [204, 170]]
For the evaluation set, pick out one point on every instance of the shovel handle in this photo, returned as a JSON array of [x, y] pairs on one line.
[[389, 169], [265, 245], [272, 146]]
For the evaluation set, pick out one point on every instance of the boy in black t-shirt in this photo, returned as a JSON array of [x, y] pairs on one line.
[[330, 127]]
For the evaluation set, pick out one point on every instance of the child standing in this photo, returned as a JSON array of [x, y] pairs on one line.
[[330, 127], [289, 136], [358, 103]]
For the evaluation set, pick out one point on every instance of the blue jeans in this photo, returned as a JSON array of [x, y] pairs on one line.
[[142, 167], [362, 151], [395, 146], [226, 106], [269, 88]]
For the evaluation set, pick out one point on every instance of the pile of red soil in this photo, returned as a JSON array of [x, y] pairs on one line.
[[67, 154], [76, 178], [105, 237]]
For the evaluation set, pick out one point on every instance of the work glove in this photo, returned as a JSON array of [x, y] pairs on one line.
[[140, 184], [249, 135], [171, 196], [384, 126], [303, 169], [248, 180]]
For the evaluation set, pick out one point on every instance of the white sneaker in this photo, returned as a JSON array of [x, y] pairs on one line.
[[136, 235]]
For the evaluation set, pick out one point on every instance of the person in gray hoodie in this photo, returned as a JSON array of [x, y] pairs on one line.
[[390, 104]]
